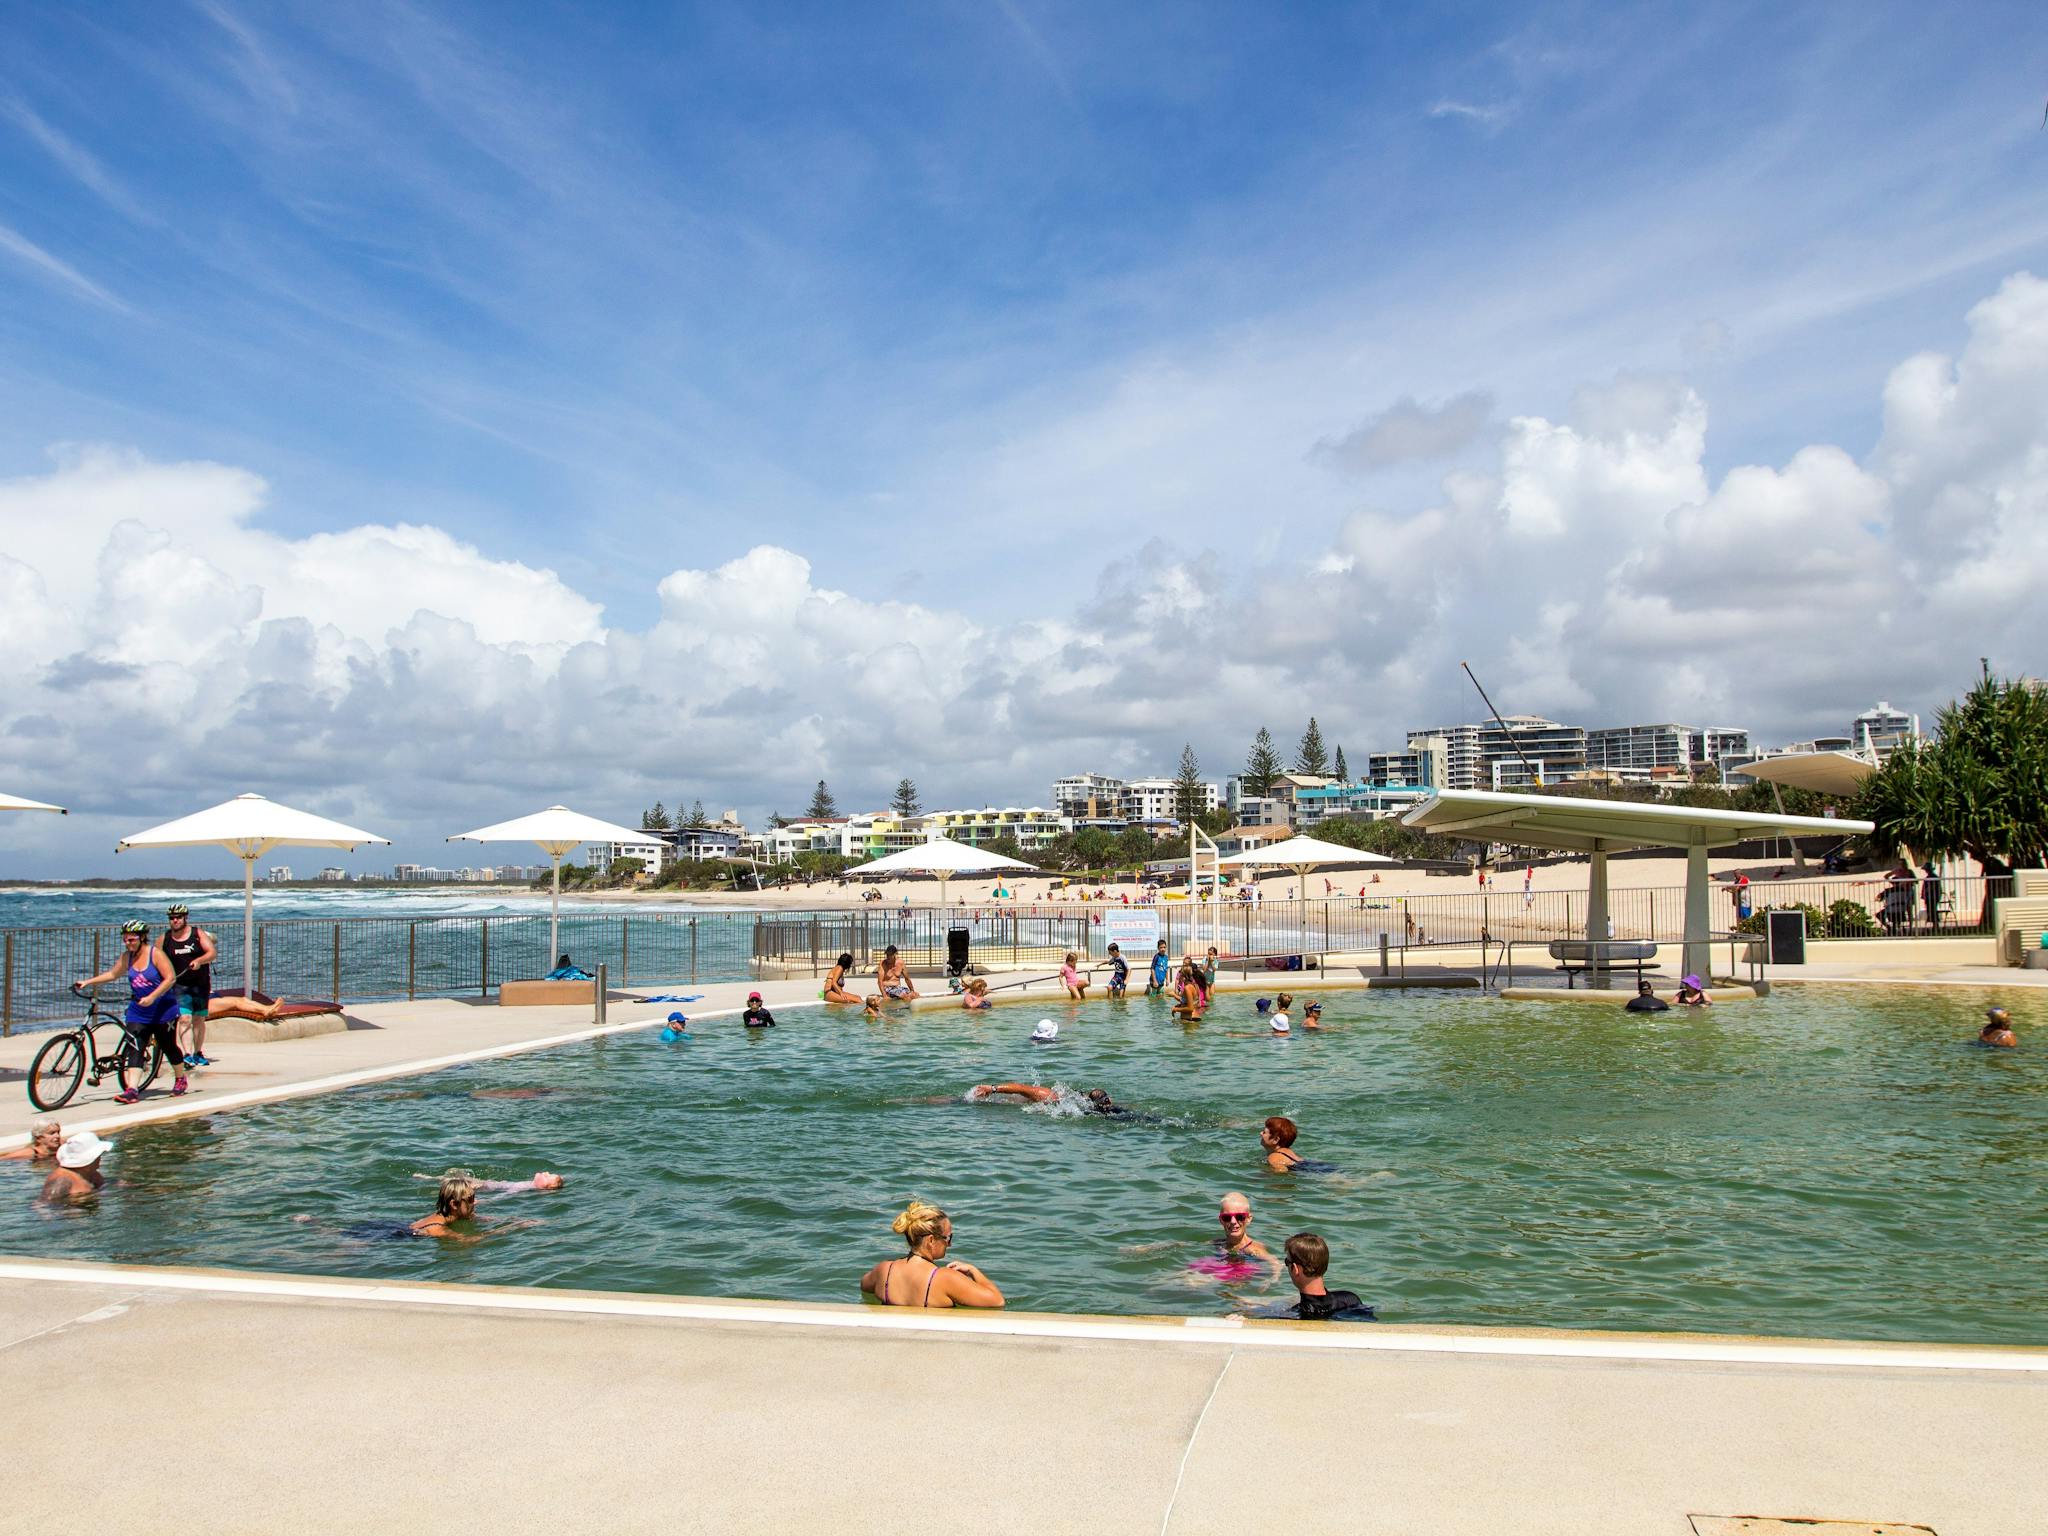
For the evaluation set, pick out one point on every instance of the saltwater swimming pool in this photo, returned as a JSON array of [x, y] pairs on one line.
[[1826, 1162]]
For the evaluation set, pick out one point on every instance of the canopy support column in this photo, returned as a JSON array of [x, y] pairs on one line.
[[248, 927], [554, 914], [1699, 950], [1596, 917]]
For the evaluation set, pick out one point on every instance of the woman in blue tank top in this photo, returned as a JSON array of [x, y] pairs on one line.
[[152, 1000]]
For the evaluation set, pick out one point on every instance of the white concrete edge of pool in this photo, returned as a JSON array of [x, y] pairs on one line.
[[1231, 1332]]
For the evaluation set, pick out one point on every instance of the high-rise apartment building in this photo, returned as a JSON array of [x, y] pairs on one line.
[[1491, 756]]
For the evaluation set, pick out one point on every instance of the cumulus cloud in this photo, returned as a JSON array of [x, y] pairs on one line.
[[1409, 431], [168, 646]]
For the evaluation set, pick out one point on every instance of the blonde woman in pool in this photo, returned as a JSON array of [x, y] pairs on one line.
[[923, 1278], [44, 1138]]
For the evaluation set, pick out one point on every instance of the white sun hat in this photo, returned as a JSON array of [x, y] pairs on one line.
[[1046, 1031], [82, 1150], [1280, 1024]]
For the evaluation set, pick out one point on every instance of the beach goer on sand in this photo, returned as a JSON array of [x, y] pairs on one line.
[[1119, 972], [152, 1006], [1278, 1139], [568, 970], [1692, 995], [1071, 979], [1997, 1029], [1096, 1101], [755, 1016], [893, 978], [974, 996], [1161, 965], [192, 953], [1646, 1000], [923, 1278], [1237, 1242], [836, 979], [1308, 1261], [77, 1173], [44, 1138]]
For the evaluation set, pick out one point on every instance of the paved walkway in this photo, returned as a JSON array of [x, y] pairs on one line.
[[347, 1406]]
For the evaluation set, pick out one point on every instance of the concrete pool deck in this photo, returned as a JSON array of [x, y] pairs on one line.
[[280, 1405]]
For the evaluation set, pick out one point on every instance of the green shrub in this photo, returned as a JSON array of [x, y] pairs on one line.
[[1849, 920]]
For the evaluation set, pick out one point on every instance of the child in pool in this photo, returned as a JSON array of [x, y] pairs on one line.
[[974, 996], [1160, 966], [1119, 972]]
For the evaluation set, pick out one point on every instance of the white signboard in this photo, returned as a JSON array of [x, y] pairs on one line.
[[1131, 929]]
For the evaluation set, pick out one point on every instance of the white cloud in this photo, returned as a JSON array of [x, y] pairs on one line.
[[1408, 431], [168, 645]]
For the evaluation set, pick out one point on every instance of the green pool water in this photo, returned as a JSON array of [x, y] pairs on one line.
[[1833, 1162]]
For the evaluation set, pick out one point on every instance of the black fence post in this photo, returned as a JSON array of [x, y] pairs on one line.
[[483, 963], [412, 961], [335, 995]]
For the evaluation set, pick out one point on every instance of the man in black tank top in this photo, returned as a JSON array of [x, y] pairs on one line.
[[191, 951]]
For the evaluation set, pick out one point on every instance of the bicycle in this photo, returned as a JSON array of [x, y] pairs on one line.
[[69, 1055]]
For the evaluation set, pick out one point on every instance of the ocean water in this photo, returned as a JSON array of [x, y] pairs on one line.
[[66, 906], [1836, 1162]]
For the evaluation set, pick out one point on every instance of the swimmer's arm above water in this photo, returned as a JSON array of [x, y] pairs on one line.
[[1031, 1091]]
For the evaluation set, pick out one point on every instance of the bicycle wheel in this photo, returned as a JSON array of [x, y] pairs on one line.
[[58, 1069], [134, 1078]]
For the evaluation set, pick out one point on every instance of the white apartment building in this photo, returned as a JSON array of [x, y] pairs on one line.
[[332, 873], [277, 874], [1089, 798], [1034, 827], [651, 851], [1880, 731], [1159, 799]]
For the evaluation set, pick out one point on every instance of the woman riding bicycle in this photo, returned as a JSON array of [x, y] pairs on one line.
[[152, 1004]]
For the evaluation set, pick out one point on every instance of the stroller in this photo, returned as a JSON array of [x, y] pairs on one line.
[[956, 957]]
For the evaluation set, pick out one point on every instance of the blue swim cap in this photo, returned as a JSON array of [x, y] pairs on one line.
[[677, 1018], [1263, 1004]]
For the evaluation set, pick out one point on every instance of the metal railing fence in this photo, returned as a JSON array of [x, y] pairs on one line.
[[362, 959]]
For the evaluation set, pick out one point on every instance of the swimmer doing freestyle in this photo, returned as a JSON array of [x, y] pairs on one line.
[[1096, 1101]]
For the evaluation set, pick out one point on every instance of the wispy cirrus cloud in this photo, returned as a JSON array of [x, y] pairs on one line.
[[18, 245]]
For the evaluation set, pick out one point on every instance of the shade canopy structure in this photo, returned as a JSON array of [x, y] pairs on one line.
[[249, 826], [16, 803], [1302, 854], [557, 831], [1826, 773], [1601, 827], [941, 857]]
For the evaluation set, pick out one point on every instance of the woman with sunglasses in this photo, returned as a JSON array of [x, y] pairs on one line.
[[923, 1278], [1238, 1255], [152, 1004]]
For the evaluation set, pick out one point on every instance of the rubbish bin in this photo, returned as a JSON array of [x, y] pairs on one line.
[[1785, 938]]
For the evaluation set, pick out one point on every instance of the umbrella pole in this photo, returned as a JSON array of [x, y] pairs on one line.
[[248, 929], [555, 914]]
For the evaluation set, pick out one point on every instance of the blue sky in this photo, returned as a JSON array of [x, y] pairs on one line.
[[998, 310]]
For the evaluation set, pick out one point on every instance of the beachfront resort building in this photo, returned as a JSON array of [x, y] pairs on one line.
[[1517, 752], [1375, 801], [1089, 799], [1879, 732], [651, 851], [1643, 753], [1159, 800]]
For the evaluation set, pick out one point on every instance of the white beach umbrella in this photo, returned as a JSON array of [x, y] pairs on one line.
[[1302, 854], [249, 826], [16, 803], [558, 831], [942, 857]]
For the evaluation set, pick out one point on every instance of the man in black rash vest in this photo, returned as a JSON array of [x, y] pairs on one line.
[[192, 953], [1646, 1000], [1308, 1260]]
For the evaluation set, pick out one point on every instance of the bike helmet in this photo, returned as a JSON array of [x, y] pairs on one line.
[[177, 909], [136, 926]]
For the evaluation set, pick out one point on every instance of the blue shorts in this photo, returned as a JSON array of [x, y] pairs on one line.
[[193, 1004]]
